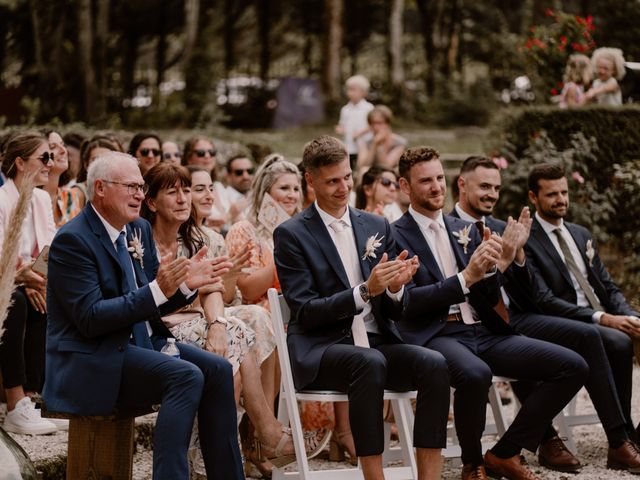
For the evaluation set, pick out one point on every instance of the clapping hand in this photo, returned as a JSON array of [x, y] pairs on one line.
[[384, 273], [484, 258], [172, 273], [203, 271], [404, 276]]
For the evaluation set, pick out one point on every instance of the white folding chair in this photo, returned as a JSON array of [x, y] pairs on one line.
[[288, 413], [568, 418]]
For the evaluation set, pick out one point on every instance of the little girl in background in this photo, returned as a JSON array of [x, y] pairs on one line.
[[609, 66], [577, 77]]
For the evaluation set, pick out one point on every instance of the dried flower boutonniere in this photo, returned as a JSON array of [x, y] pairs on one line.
[[373, 243], [590, 252], [135, 246], [463, 237]]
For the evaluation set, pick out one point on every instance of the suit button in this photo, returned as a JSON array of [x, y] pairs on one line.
[[121, 348]]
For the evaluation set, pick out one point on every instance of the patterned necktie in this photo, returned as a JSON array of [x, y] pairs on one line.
[[443, 249], [349, 258], [575, 270], [140, 333]]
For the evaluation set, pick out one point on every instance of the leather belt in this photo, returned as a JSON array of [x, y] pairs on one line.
[[454, 317]]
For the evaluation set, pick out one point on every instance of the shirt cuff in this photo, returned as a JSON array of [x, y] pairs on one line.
[[463, 284], [396, 297], [186, 291], [521, 264], [158, 296], [597, 316], [493, 271], [360, 303]]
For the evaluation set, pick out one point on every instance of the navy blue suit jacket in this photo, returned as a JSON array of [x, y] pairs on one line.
[[90, 317], [317, 289], [556, 294], [430, 295]]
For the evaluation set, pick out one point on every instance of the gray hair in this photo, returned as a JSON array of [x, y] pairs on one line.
[[103, 168], [267, 175]]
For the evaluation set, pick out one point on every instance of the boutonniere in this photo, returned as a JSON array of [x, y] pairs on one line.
[[373, 243], [590, 252], [463, 237], [135, 246]]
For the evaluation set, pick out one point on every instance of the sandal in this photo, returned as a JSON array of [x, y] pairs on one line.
[[338, 451], [314, 443]]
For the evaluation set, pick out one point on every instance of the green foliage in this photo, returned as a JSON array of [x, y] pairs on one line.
[[548, 47]]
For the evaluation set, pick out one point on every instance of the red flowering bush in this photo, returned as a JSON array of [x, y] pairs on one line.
[[548, 46]]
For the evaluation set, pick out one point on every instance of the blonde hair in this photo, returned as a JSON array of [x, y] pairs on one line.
[[614, 55], [578, 70], [358, 81], [273, 167]]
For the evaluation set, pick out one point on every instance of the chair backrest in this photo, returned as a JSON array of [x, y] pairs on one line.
[[280, 315]]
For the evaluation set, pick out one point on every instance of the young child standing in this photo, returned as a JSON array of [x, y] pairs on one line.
[[353, 116], [609, 66]]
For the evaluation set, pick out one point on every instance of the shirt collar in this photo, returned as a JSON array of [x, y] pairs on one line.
[[465, 216], [549, 227], [424, 222], [328, 219], [111, 230]]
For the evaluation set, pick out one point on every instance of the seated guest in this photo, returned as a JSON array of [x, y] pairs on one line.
[[64, 200], [177, 232], [106, 295], [239, 176], [344, 287], [574, 284], [385, 148], [479, 186], [90, 150], [454, 307], [171, 153], [378, 193], [146, 148], [201, 152], [22, 345], [72, 141]]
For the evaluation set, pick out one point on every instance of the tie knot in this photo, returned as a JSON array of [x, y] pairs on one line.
[[338, 226], [435, 226], [120, 240]]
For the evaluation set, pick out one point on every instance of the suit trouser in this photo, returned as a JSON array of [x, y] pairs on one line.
[[199, 382], [474, 355], [22, 345], [588, 340], [364, 373]]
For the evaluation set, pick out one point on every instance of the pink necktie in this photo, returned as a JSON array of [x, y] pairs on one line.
[[443, 249], [349, 257]]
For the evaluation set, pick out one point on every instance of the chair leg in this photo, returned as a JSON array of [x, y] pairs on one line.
[[404, 420], [565, 431], [497, 409]]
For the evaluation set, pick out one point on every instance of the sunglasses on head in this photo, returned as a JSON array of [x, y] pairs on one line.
[[169, 155], [202, 153], [239, 171], [387, 183], [145, 152]]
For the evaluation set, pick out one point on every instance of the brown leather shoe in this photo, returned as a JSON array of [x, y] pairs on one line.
[[554, 455], [514, 468], [473, 472], [626, 457]]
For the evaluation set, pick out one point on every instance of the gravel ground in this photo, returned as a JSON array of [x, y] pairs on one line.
[[590, 440]]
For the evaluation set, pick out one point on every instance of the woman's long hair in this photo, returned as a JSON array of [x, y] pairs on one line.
[[370, 177]]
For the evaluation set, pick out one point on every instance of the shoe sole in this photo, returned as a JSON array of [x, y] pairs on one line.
[[20, 431], [562, 469]]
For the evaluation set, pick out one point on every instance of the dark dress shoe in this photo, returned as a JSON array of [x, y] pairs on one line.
[[473, 472], [514, 468], [554, 455], [626, 457]]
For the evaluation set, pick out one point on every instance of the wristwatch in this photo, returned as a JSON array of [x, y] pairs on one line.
[[364, 292], [220, 320]]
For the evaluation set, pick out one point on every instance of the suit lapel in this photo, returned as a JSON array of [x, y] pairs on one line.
[[461, 257], [541, 236], [100, 231], [417, 242], [361, 235], [319, 232], [141, 277]]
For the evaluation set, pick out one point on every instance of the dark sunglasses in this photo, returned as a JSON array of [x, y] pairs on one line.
[[202, 153], [239, 171], [145, 152], [387, 183], [46, 157], [168, 155]]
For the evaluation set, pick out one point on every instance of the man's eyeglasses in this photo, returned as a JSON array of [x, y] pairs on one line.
[[238, 172], [170, 155], [387, 183], [145, 152], [202, 153], [132, 188], [46, 157]]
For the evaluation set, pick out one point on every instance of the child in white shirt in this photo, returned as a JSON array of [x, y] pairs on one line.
[[353, 116]]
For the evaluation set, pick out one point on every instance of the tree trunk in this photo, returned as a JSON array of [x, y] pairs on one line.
[[427, 19], [453, 37], [37, 40], [396, 67], [264, 29], [331, 78], [191, 19], [229, 36], [85, 50], [102, 33]]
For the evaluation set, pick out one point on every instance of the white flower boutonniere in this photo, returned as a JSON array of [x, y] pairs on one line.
[[463, 237], [590, 252], [373, 243], [135, 246]]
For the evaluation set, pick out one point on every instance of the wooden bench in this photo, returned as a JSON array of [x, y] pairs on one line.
[[100, 447]]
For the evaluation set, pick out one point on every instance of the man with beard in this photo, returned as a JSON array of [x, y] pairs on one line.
[[479, 185], [453, 307]]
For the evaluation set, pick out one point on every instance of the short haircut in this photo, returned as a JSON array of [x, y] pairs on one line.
[[413, 156], [358, 81], [383, 111], [544, 171], [322, 151], [103, 168], [236, 156], [475, 161]]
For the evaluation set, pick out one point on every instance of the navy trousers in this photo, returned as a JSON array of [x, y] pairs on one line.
[[199, 382]]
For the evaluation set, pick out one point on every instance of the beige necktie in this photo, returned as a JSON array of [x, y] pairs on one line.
[[349, 256], [443, 249]]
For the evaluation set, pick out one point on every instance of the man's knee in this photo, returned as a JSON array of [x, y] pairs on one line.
[[476, 378], [371, 365]]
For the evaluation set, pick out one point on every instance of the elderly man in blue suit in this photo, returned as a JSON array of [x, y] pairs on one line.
[[106, 294], [341, 277]]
